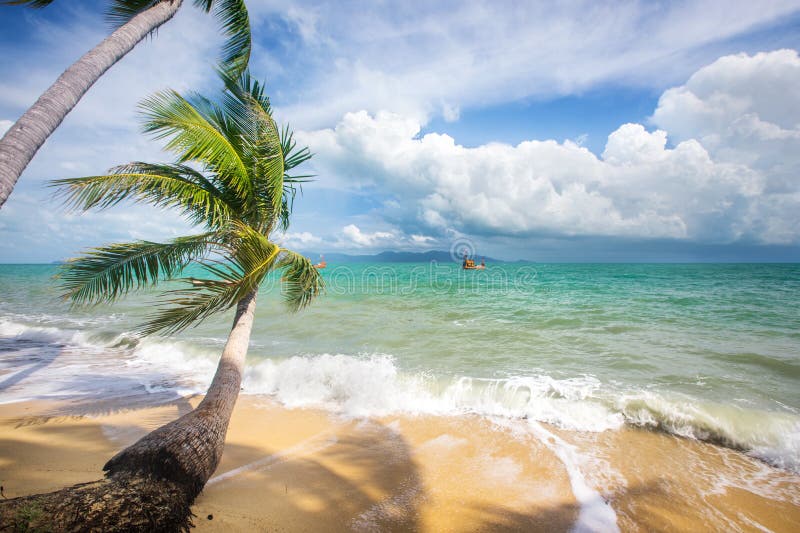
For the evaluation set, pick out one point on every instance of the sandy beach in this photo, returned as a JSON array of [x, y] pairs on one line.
[[307, 470]]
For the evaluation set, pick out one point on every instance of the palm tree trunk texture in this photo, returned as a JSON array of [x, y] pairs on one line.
[[26, 136], [150, 485]]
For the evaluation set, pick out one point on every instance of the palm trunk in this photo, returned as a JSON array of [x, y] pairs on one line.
[[188, 449], [150, 485], [26, 136]]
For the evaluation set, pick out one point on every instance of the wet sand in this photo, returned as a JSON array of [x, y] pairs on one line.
[[307, 470]]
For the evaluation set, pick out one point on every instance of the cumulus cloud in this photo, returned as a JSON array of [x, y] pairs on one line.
[[353, 235], [743, 109], [422, 240], [746, 110], [701, 189], [300, 239]]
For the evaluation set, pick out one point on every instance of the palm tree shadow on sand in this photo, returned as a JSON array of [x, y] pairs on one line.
[[365, 480], [83, 395], [15, 352]]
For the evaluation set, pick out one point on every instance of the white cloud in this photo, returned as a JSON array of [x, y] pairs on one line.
[[301, 239], [422, 239], [743, 109], [450, 113], [438, 57], [639, 187], [5, 125], [746, 110], [352, 235]]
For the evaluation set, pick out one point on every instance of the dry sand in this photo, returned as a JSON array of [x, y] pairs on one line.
[[307, 470]]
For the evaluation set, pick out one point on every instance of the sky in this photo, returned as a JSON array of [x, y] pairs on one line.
[[586, 131]]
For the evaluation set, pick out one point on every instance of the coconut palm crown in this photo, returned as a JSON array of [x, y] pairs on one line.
[[230, 177]]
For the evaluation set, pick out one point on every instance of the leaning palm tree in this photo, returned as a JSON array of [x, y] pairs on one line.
[[231, 178], [133, 20]]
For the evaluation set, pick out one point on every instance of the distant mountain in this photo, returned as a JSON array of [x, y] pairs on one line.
[[439, 256]]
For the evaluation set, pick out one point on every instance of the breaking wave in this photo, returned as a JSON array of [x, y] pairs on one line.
[[44, 361]]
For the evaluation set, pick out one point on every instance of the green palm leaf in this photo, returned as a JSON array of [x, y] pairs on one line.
[[292, 157], [193, 137], [189, 306], [107, 273], [253, 257], [248, 107], [235, 23], [122, 11], [230, 177], [160, 185], [302, 283]]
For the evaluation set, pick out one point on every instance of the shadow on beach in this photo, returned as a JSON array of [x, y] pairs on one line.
[[75, 394], [15, 352], [363, 479]]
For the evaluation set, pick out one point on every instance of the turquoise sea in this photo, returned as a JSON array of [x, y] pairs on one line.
[[705, 351]]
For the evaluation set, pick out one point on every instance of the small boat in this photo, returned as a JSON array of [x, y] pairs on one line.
[[322, 264], [469, 264]]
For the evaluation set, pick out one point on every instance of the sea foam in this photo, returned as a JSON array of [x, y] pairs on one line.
[[373, 385], [53, 362]]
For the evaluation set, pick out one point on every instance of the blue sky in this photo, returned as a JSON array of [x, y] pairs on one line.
[[591, 131]]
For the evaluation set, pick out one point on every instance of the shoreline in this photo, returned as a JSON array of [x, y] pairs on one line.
[[310, 470]]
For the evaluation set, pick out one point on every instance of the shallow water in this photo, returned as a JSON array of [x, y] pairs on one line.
[[709, 352]]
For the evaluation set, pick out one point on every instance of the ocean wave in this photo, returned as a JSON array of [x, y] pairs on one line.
[[17, 330], [373, 385], [773, 437], [111, 363], [45, 361]]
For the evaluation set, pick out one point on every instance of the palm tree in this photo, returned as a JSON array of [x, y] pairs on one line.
[[133, 20], [231, 178]]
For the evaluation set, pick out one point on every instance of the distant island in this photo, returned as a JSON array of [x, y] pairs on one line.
[[439, 256]]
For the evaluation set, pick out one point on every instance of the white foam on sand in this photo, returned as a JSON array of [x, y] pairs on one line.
[[44, 361]]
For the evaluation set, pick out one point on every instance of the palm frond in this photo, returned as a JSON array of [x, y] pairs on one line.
[[269, 171], [247, 105], [30, 3], [193, 137], [255, 255], [302, 283], [188, 306], [107, 273], [234, 21], [252, 258], [293, 156], [160, 185], [245, 88], [122, 11], [219, 116]]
